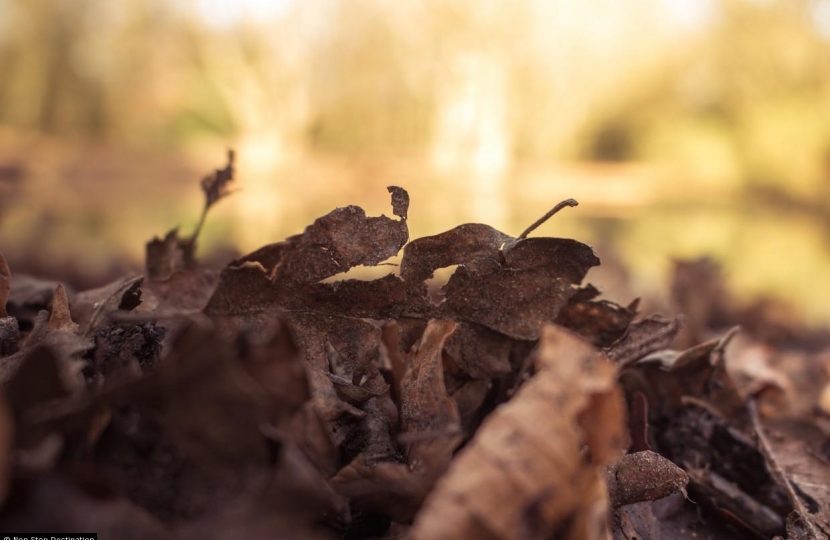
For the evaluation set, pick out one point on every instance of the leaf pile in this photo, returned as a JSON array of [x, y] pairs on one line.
[[275, 399]]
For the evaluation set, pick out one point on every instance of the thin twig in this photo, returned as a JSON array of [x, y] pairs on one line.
[[541, 220]]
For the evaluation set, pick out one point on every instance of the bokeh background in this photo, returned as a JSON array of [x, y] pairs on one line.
[[683, 127]]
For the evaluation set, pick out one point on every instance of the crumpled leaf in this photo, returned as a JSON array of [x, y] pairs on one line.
[[29, 296], [125, 296], [120, 294], [460, 245], [536, 281], [166, 255], [793, 451], [522, 475], [219, 435], [429, 430], [599, 321], [216, 186], [644, 337], [705, 428], [479, 352], [286, 275], [342, 239], [426, 406], [163, 256], [345, 351]]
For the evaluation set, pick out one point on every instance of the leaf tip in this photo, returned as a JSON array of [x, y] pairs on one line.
[[400, 201]]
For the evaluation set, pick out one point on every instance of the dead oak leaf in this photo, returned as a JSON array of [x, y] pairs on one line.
[[340, 240], [529, 284], [460, 245], [523, 475]]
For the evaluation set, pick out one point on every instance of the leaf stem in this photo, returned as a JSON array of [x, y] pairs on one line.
[[541, 220]]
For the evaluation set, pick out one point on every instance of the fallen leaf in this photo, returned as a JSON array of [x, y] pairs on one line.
[[523, 475], [426, 406], [644, 337], [60, 319], [643, 476], [793, 454]]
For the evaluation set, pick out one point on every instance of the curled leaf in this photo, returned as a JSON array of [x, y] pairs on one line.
[[461, 245], [523, 475], [340, 240], [644, 337], [426, 407]]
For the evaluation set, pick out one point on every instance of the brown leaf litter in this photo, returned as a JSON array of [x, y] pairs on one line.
[[278, 399]]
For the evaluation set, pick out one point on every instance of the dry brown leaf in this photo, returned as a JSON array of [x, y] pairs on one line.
[[216, 186], [644, 337], [166, 255], [643, 476], [528, 284], [426, 406], [60, 319], [794, 454], [461, 245], [480, 352], [704, 427], [524, 474], [342, 239], [125, 296], [163, 256], [599, 321], [29, 296]]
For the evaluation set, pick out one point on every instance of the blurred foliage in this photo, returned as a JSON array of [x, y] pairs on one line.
[[684, 127]]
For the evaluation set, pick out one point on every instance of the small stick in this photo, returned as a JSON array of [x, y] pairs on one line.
[[541, 220]]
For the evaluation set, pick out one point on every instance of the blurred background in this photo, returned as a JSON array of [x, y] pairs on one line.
[[683, 127]]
